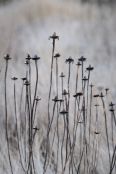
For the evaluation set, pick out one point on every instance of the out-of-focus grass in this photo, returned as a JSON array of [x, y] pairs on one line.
[[83, 29]]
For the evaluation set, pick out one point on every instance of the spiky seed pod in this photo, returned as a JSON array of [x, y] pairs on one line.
[[53, 36], [57, 100], [82, 58], [35, 57], [111, 104], [23, 78], [65, 92], [37, 98], [27, 82], [64, 112], [69, 60], [101, 95], [28, 57], [78, 63], [57, 55], [14, 78], [7, 57], [96, 132], [26, 62], [78, 94], [96, 95], [85, 79], [89, 68], [91, 85], [62, 75]]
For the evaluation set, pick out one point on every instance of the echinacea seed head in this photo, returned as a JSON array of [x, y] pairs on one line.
[[27, 83], [63, 112], [78, 94], [84, 78], [57, 55], [37, 98], [89, 68], [36, 128], [106, 90], [65, 92], [69, 60], [96, 105], [62, 75], [78, 63], [111, 104], [82, 58], [57, 100], [101, 95], [24, 78], [28, 57], [96, 95], [96, 132], [26, 62], [53, 36], [35, 57], [91, 85], [7, 57], [14, 78], [112, 110]]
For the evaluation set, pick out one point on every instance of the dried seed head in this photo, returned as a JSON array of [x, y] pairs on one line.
[[84, 78], [26, 62], [82, 58], [37, 98], [36, 128], [78, 63], [24, 78], [106, 90], [35, 57], [27, 83], [64, 112], [14, 78], [96, 95], [28, 57], [96, 105], [62, 75], [89, 68], [65, 92], [7, 57], [96, 132], [57, 55], [91, 85], [111, 104], [78, 94], [57, 100], [101, 95], [53, 36], [80, 121], [69, 60], [112, 110]]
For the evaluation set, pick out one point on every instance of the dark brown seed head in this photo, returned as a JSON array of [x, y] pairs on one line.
[[63, 112], [65, 92], [14, 78], [112, 110], [89, 68], [101, 95], [106, 90], [35, 57], [91, 85], [53, 36], [78, 94], [78, 63], [96, 132], [27, 83], [96, 105], [7, 57], [82, 58], [62, 75], [57, 55], [96, 95], [37, 98], [57, 100], [28, 57], [36, 128], [84, 78], [24, 78], [111, 104], [26, 62], [69, 60]]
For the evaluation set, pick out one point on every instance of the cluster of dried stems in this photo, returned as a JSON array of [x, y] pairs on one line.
[[66, 144]]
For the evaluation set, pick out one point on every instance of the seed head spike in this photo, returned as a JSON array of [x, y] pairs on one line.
[[35, 57], [101, 95], [82, 58], [24, 78], [106, 90], [111, 104], [84, 78], [112, 110], [78, 94], [14, 78], [7, 57], [63, 112], [62, 75], [96, 95], [78, 63], [89, 68], [57, 55], [28, 57], [53, 36], [57, 100], [91, 85], [26, 62], [96, 132], [37, 98], [69, 60], [96, 105], [27, 83], [65, 92]]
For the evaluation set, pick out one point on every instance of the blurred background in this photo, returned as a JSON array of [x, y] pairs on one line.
[[85, 27]]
